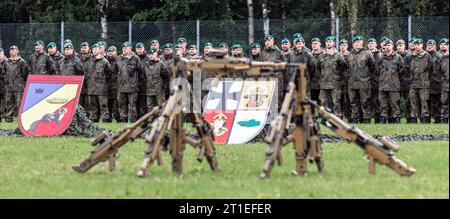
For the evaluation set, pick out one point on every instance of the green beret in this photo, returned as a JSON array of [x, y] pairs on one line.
[[285, 40], [357, 37], [268, 37], [412, 39], [383, 39], [177, 46], [329, 38], [152, 50], [400, 41], [139, 45], [431, 41], [95, 45], [126, 44], [84, 44], [236, 46], [101, 43], [112, 48], [68, 45], [168, 46], [223, 45], [154, 42], [192, 46], [343, 41], [418, 41], [388, 41], [51, 44], [299, 40], [443, 40], [39, 42], [374, 40], [297, 35], [315, 39], [181, 40], [206, 44], [67, 41], [13, 47], [255, 45]]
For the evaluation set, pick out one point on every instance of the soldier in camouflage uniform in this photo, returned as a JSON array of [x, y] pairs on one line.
[[286, 47], [55, 54], [142, 89], [40, 63], [17, 73], [315, 74], [113, 106], [237, 51], [404, 77], [155, 71], [168, 60], [102, 48], [390, 67], [193, 52], [445, 80], [255, 52], [296, 36], [224, 47], [434, 101], [362, 66], [271, 53], [375, 102], [84, 57], [301, 55], [206, 47], [345, 100], [2, 83], [68, 41], [183, 43], [154, 44], [178, 51], [129, 72], [69, 65], [330, 64], [100, 76], [420, 69]]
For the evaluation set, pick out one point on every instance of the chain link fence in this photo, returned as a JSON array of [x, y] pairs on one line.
[[197, 32]]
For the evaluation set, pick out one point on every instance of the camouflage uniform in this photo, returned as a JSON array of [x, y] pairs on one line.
[[142, 90], [330, 66], [129, 72], [405, 81], [390, 68], [70, 65], [113, 107], [375, 102], [84, 94], [362, 65], [16, 73], [56, 58], [155, 72], [168, 61], [100, 76], [444, 90], [302, 56], [2, 87], [274, 54], [435, 86], [420, 69], [315, 77], [345, 100], [40, 64]]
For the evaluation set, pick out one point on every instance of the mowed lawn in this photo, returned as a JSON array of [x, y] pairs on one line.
[[41, 168]]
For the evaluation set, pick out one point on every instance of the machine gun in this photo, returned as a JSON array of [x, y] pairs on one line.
[[303, 113], [108, 145]]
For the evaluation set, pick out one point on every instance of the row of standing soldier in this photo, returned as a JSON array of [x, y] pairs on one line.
[[359, 84]]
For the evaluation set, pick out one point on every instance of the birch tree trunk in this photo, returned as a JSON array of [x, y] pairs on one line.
[[251, 22]]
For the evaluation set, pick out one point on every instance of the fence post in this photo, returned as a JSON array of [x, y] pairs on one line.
[[62, 37], [409, 28], [337, 33], [198, 34], [130, 33]]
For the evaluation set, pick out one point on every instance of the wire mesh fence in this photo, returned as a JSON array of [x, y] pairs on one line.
[[197, 32]]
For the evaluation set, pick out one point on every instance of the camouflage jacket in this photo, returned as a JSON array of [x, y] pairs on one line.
[[2, 75], [142, 84], [420, 69], [17, 73], [444, 70], [112, 85], [315, 73], [377, 55], [273, 54], [99, 73], [70, 65], [361, 65], [155, 74], [302, 56], [330, 67], [56, 58], [257, 58], [405, 80], [129, 71], [84, 62], [390, 68], [345, 74], [436, 75], [40, 64]]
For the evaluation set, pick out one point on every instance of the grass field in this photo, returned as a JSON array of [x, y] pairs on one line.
[[41, 168]]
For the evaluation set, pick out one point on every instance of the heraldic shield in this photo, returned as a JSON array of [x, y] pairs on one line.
[[49, 104], [238, 110]]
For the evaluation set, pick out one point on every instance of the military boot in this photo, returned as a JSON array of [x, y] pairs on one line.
[[412, 120], [365, 121], [425, 120], [382, 120], [444, 121], [9, 120], [437, 121], [396, 120]]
